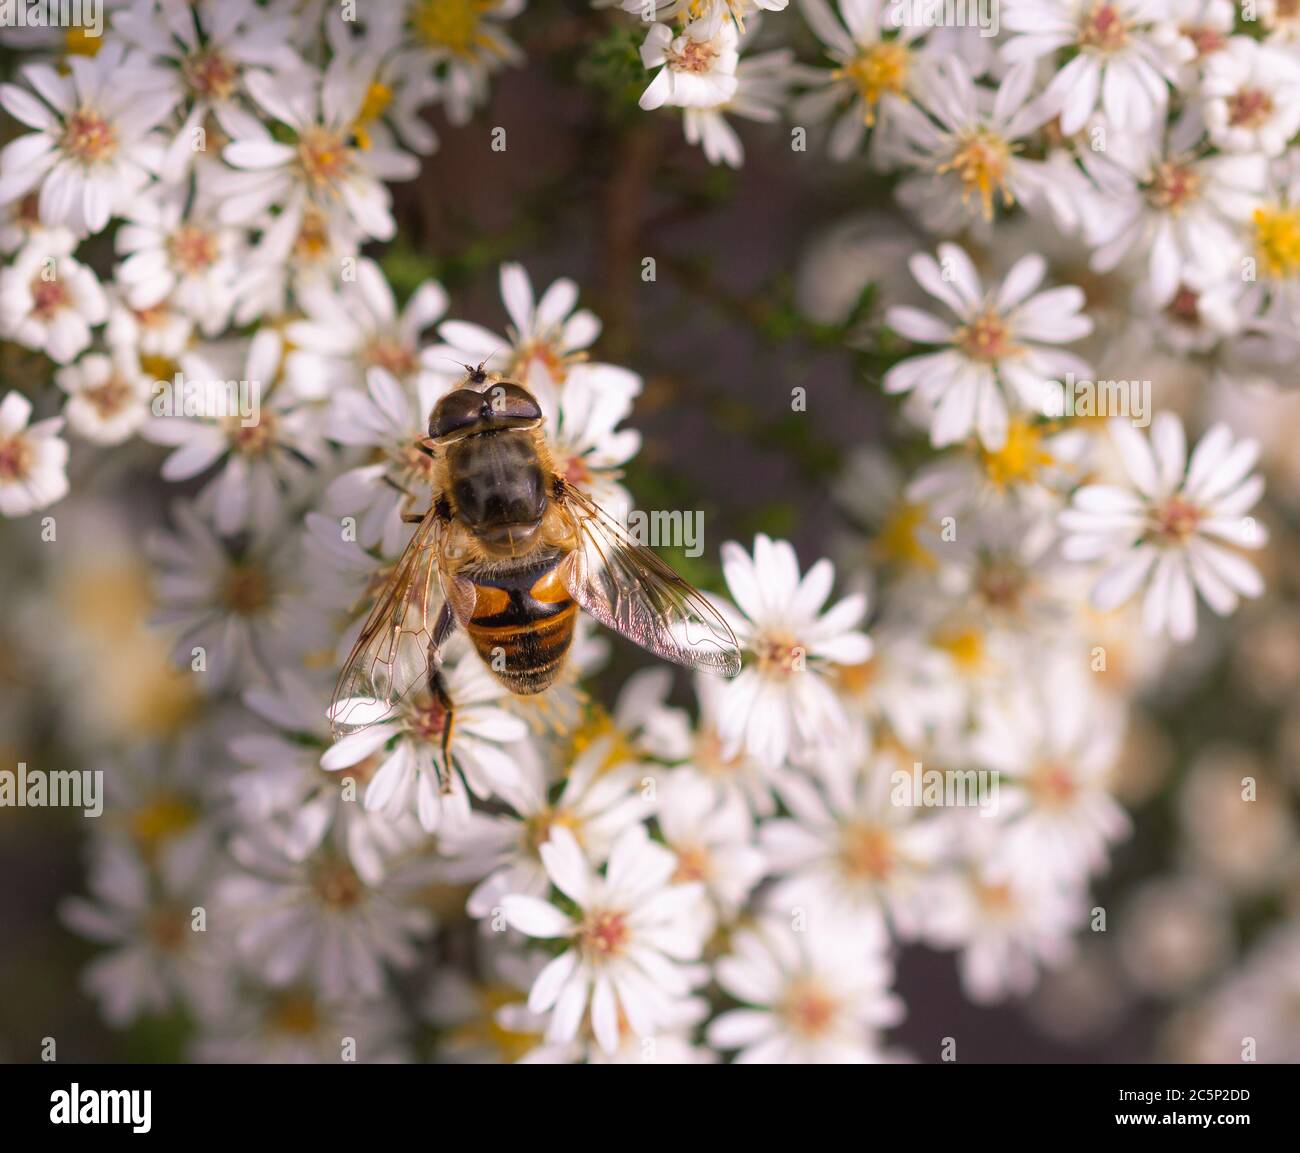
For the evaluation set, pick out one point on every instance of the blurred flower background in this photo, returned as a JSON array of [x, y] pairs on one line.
[[971, 348]]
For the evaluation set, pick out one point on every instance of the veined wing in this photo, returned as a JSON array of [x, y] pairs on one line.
[[629, 589], [391, 654]]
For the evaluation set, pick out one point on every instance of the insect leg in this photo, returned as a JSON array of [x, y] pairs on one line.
[[442, 629]]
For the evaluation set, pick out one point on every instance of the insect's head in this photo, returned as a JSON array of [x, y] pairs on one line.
[[483, 405]]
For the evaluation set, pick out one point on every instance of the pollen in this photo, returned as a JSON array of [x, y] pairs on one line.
[[898, 540], [867, 852], [696, 56], [604, 934], [693, 864], [965, 646], [79, 41], [1249, 108], [211, 74], [256, 439], [981, 160], [1277, 240], [1173, 187], [377, 99], [779, 655], [192, 249], [324, 156], [879, 69], [111, 397], [1103, 29], [452, 25], [1175, 520], [987, 338], [1021, 457], [48, 298], [88, 137]]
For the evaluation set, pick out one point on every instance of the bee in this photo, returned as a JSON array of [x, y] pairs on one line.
[[509, 551]]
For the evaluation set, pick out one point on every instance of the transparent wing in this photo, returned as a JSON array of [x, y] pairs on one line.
[[629, 589], [391, 654]]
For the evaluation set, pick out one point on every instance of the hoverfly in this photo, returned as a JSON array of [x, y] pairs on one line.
[[509, 551]]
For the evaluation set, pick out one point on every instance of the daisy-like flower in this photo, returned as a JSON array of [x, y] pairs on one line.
[[262, 453], [202, 52], [93, 149], [847, 848], [598, 800], [630, 938], [1181, 212], [1164, 530], [33, 459], [964, 141], [1252, 96], [410, 776], [321, 167], [158, 335], [465, 41], [50, 302], [545, 338], [316, 921], [762, 89], [873, 71], [178, 254], [231, 607], [350, 330], [712, 834], [1119, 63], [814, 997], [996, 356], [697, 66], [784, 702], [108, 395], [1054, 745], [156, 957]]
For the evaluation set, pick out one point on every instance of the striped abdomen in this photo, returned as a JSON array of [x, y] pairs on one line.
[[523, 624]]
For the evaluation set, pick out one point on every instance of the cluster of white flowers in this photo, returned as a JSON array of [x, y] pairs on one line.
[[927, 756]]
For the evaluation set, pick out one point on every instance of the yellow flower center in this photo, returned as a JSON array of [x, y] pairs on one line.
[[695, 56], [1103, 29], [164, 817], [324, 156], [450, 24], [294, 1013], [898, 542], [981, 159], [604, 934], [881, 68], [48, 297], [1021, 456], [210, 74], [78, 41], [808, 1010], [1249, 108], [337, 884], [378, 98], [192, 249], [1175, 520], [986, 338], [246, 590], [867, 852], [1173, 187], [964, 646], [88, 137], [1052, 785], [16, 458], [1277, 240]]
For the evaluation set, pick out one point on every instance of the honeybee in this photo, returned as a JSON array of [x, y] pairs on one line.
[[508, 551]]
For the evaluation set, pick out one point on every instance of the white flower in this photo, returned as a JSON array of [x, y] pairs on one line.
[[108, 395], [1163, 529], [630, 938], [316, 921], [697, 67], [180, 255], [50, 302], [1054, 744], [1119, 63], [160, 333], [763, 84], [712, 834], [155, 957], [1181, 212], [263, 453], [411, 776], [872, 72], [597, 802], [465, 41], [322, 167], [92, 150], [33, 460], [783, 702], [847, 847], [996, 352], [202, 53], [1252, 96], [350, 330], [964, 141], [819, 997]]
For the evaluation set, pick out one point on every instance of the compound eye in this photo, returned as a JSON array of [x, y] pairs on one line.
[[455, 412], [511, 403]]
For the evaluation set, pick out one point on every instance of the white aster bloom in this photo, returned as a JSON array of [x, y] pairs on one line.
[[630, 939], [1164, 529], [322, 167], [784, 702], [1252, 96], [93, 148], [697, 66], [819, 997], [997, 356], [33, 459], [350, 329], [763, 84], [407, 741], [1119, 62], [49, 302], [108, 395]]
